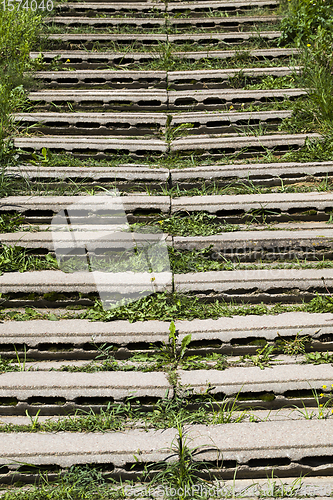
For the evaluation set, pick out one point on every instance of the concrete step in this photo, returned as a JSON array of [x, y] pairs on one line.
[[142, 124], [258, 173], [276, 206], [40, 209], [157, 99], [81, 59], [237, 335], [137, 40], [99, 146], [144, 9], [115, 79], [213, 147], [247, 146], [288, 447], [230, 23], [177, 80], [53, 288], [153, 9], [32, 390], [228, 6], [255, 285], [237, 246], [95, 123], [271, 174]]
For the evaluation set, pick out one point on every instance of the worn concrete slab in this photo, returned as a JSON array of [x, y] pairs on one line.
[[226, 54], [226, 330], [127, 38], [254, 171], [227, 5], [217, 38], [222, 123], [108, 283], [117, 79], [278, 379], [231, 22], [251, 281], [78, 332], [237, 442], [219, 146], [71, 386], [222, 98], [94, 203], [95, 123], [86, 235], [111, 7], [83, 145], [190, 80], [229, 330], [86, 59], [143, 99], [279, 201], [126, 173], [106, 22], [247, 241]]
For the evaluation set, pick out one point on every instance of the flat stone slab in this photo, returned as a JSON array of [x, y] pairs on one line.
[[252, 281], [71, 386], [294, 440]]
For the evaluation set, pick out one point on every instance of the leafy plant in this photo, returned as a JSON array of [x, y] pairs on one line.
[[170, 352], [263, 358], [294, 346], [318, 358], [304, 17]]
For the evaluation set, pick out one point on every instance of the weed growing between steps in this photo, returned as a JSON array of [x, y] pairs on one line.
[[15, 258]]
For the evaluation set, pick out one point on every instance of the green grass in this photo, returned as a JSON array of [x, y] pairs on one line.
[[15, 258], [19, 33]]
